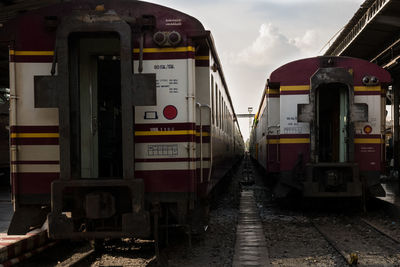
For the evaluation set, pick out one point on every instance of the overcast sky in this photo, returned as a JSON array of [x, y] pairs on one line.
[[254, 37]]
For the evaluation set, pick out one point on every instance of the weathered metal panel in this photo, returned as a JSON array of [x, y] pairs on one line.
[[360, 112], [144, 89], [305, 113], [46, 91]]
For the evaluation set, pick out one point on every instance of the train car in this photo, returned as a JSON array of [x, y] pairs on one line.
[[4, 137], [120, 119], [320, 127]]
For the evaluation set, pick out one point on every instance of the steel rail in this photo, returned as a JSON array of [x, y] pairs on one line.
[[331, 242], [379, 230], [78, 257]]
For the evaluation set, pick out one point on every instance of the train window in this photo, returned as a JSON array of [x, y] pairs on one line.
[[216, 105], [222, 112], [212, 100], [221, 115], [219, 109], [224, 117]]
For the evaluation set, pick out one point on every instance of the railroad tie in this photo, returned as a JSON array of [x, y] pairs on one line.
[[251, 247]]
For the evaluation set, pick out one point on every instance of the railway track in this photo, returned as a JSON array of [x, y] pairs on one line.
[[126, 252], [358, 241], [84, 255]]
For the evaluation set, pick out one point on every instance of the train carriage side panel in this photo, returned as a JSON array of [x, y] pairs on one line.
[[222, 129], [262, 134], [203, 121], [256, 134], [164, 132], [368, 143], [294, 136], [34, 136], [273, 130]]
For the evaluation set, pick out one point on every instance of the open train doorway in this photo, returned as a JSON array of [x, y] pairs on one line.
[[332, 118], [98, 123]]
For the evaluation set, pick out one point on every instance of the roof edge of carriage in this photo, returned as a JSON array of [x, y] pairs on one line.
[[306, 67]]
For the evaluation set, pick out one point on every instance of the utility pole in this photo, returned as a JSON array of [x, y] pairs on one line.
[[250, 110]]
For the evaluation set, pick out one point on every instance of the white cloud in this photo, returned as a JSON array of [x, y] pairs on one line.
[[267, 47], [309, 43], [272, 47]]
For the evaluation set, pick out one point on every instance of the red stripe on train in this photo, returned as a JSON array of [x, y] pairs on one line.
[[34, 162], [172, 160], [34, 141], [202, 63], [301, 92], [33, 182], [34, 129], [165, 138], [155, 181], [168, 180]]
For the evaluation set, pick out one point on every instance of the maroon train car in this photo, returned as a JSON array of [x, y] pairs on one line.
[[320, 127], [120, 117]]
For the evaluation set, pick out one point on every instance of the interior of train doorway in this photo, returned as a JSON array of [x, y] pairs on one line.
[[96, 125], [332, 118]]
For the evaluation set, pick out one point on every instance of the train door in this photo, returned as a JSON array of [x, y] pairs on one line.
[[332, 116], [99, 119]]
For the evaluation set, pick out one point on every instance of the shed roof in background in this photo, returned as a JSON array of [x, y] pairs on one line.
[[373, 33]]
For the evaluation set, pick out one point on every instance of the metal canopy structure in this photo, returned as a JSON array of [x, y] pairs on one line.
[[372, 34]]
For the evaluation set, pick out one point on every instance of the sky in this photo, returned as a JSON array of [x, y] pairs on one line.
[[255, 37]]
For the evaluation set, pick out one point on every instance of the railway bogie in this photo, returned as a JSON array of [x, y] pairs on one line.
[[320, 127], [106, 147]]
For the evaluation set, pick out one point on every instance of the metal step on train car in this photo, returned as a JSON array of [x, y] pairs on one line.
[[320, 127], [120, 118]]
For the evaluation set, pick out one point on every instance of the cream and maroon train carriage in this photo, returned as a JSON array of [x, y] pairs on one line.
[[119, 114], [320, 127]]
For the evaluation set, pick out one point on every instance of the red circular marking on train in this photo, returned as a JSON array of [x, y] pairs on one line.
[[367, 129], [170, 112]]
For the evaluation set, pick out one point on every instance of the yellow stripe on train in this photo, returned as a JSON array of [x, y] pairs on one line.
[[295, 88], [272, 91], [307, 140], [307, 87], [34, 135], [31, 53], [367, 88], [166, 50], [288, 141], [204, 134], [368, 141], [136, 50], [202, 57]]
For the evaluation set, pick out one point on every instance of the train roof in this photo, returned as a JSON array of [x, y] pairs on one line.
[[25, 21], [300, 71]]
